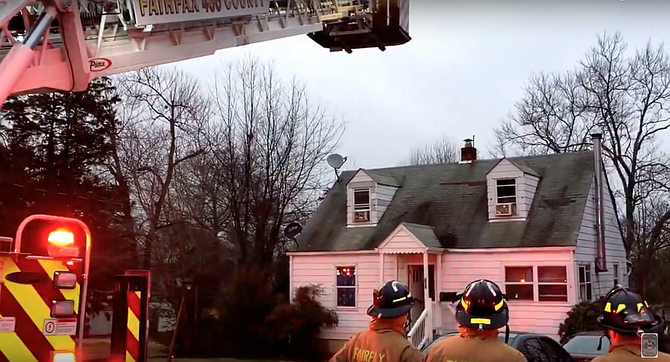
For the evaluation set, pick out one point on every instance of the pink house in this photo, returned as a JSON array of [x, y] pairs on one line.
[[531, 224]]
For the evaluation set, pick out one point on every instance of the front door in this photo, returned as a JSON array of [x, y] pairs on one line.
[[415, 285]]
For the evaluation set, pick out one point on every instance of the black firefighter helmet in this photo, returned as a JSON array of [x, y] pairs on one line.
[[482, 306], [391, 300], [627, 312]]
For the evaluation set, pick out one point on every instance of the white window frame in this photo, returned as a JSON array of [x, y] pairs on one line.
[[361, 207], [616, 273], [566, 283], [536, 283], [355, 287], [587, 284], [533, 283], [514, 204]]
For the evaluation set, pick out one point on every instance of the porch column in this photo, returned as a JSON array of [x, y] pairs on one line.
[[381, 268], [428, 304], [396, 266], [437, 304], [426, 293]]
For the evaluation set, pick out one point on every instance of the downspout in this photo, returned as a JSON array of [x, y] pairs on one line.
[[291, 280], [381, 268], [574, 283], [601, 262]]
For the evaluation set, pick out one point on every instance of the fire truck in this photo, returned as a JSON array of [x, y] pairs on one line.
[[60, 45], [44, 278], [43, 287]]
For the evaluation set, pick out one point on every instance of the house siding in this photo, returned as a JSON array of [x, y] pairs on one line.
[[459, 269], [585, 253], [402, 241], [382, 198], [360, 177], [525, 188], [320, 269]]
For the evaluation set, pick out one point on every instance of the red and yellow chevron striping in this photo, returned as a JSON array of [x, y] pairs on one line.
[[133, 331], [29, 304]]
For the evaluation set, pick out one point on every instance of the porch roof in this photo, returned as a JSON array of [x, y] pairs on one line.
[[410, 238]]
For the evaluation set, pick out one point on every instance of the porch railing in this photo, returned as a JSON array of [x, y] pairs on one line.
[[421, 332]]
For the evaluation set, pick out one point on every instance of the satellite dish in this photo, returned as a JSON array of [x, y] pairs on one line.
[[336, 161], [292, 230]]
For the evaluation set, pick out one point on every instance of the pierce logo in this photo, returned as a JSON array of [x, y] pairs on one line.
[[99, 64]]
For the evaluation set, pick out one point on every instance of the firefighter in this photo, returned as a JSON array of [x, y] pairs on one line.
[[625, 317], [480, 312], [386, 339]]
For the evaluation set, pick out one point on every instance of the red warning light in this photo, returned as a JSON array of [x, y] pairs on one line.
[[61, 238]]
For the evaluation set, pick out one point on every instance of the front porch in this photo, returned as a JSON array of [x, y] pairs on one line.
[[412, 255]]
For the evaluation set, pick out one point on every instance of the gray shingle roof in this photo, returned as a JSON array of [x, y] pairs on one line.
[[451, 198], [381, 178], [425, 234]]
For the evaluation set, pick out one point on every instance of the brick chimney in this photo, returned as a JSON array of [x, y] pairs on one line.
[[468, 152]]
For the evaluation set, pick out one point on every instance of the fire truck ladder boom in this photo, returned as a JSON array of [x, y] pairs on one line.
[[60, 45]]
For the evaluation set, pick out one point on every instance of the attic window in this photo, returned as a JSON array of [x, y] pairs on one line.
[[506, 197], [361, 205]]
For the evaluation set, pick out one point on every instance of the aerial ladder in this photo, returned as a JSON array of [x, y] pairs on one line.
[[60, 45]]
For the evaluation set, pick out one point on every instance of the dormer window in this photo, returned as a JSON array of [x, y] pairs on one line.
[[361, 205], [368, 195], [506, 192], [511, 188]]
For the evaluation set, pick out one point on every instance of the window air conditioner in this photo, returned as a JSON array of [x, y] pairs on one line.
[[505, 209], [361, 216]]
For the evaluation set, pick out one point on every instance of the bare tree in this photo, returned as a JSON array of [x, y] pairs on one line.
[[270, 146], [442, 151], [165, 110], [628, 98]]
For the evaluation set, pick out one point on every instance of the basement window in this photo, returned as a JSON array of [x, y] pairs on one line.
[[506, 197], [616, 273]]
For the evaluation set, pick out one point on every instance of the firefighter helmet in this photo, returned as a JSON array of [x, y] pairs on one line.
[[482, 306], [627, 312], [391, 300]]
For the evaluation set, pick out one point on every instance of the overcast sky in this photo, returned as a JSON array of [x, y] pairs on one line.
[[461, 73]]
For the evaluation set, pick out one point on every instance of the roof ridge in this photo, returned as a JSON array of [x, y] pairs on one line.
[[418, 225], [483, 160]]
